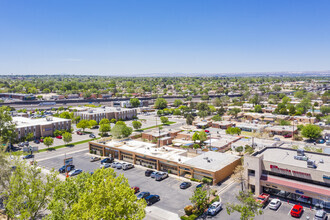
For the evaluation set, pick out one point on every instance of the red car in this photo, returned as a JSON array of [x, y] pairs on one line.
[[41, 140], [59, 137], [136, 189], [207, 131], [296, 211], [288, 136], [79, 133]]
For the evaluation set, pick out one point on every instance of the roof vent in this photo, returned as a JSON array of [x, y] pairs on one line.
[[311, 164], [209, 161], [321, 161]]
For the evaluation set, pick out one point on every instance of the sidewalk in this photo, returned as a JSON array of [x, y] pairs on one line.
[[153, 212]]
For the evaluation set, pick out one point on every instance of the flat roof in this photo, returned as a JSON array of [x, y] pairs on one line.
[[212, 161], [282, 128], [104, 110], [286, 156], [24, 122]]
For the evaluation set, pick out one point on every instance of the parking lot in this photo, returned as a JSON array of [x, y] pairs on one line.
[[172, 198]]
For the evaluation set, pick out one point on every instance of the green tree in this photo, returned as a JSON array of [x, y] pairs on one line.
[[200, 199], [65, 115], [221, 111], [104, 128], [233, 130], [92, 123], [177, 112], [102, 195], [189, 119], [136, 125], [57, 133], [5, 171], [104, 121], [248, 206], [29, 136], [164, 119], [67, 137], [83, 124], [160, 103], [239, 149], [284, 122], [29, 191], [121, 130], [216, 118], [202, 136], [7, 126], [135, 102], [202, 114], [258, 108], [203, 106], [217, 102], [48, 141], [127, 131], [195, 136], [255, 100], [311, 131], [177, 102], [325, 110], [234, 112]]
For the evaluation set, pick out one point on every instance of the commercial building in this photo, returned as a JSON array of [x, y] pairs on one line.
[[211, 165], [17, 96], [222, 124], [282, 130], [98, 114], [291, 174], [41, 127]]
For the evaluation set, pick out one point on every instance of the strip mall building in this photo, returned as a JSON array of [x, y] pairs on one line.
[[212, 165], [302, 177]]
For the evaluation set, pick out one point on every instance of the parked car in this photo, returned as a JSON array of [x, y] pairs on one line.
[[263, 198], [75, 172], [207, 131], [143, 195], [92, 136], [114, 164], [96, 127], [200, 185], [148, 172], [274, 204], [152, 199], [119, 166], [160, 176], [296, 211], [153, 174], [69, 168], [127, 166], [105, 165], [93, 159], [320, 141], [41, 140], [136, 189], [185, 185], [79, 133], [107, 160], [59, 137], [28, 156], [214, 208], [277, 139], [287, 135], [36, 141], [328, 143], [320, 215]]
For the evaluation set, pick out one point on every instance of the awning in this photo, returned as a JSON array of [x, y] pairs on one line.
[[296, 185]]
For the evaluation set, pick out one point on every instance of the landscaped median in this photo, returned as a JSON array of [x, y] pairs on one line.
[[156, 126], [67, 145]]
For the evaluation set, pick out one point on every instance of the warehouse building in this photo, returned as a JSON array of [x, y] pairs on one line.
[[290, 174], [212, 165]]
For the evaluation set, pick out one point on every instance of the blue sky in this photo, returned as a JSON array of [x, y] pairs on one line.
[[169, 36]]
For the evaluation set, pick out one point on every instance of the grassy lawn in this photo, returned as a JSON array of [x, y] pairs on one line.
[[156, 126], [67, 145]]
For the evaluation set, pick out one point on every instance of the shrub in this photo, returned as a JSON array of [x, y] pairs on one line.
[[169, 171], [214, 192], [207, 180], [216, 199], [196, 180], [188, 209]]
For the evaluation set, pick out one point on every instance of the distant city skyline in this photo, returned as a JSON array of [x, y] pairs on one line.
[[148, 37]]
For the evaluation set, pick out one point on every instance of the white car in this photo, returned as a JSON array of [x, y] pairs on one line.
[[214, 208], [119, 166], [127, 166], [114, 164], [105, 165], [274, 204]]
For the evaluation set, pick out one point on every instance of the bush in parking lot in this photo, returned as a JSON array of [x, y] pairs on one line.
[[196, 180], [188, 209], [207, 180], [191, 217], [216, 199]]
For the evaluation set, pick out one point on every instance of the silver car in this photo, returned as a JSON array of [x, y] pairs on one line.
[[214, 208], [127, 166], [320, 215], [119, 166], [105, 165], [274, 204], [114, 164]]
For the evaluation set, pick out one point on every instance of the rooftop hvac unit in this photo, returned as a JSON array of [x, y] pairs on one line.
[[301, 158], [321, 161], [90, 111], [311, 164]]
